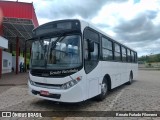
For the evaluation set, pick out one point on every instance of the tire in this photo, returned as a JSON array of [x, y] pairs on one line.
[[104, 91], [130, 79]]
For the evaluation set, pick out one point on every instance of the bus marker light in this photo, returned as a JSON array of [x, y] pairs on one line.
[[79, 78]]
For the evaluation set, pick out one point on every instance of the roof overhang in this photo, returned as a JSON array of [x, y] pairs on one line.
[[4, 43], [17, 27]]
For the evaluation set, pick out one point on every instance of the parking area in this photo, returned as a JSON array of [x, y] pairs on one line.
[[142, 95]]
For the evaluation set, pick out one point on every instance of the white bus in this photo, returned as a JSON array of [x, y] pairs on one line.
[[72, 61]]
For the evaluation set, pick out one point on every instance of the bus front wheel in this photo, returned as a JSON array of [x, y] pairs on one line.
[[104, 91]]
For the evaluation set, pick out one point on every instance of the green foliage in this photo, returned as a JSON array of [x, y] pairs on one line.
[[21, 54], [150, 58]]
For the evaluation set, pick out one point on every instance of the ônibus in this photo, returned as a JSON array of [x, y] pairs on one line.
[[72, 61]]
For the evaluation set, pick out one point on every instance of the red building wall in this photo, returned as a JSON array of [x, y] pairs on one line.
[[12, 9], [19, 10]]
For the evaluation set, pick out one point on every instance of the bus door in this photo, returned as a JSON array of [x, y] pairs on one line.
[[91, 58]]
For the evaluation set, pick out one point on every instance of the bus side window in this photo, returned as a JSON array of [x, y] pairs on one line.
[[135, 57], [90, 55], [124, 55], [132, 56], [117, 52], [107, 49], [85, 50], [91, 49], [94, 54], [128, 55]]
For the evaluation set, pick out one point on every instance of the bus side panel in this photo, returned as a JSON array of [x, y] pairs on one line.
[[109, 68], [124, 73], [84, 83], [93, 87], [135, 70], [93, 81], [118, 71]]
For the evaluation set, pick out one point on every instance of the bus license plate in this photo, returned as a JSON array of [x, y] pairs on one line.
[[42, 92]]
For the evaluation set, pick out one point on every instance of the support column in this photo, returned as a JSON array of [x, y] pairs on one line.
[[1, 33], [30, 52], [23, 52], [25, 56], [0, 62], [17, 54], [11, 48], [19, 51]]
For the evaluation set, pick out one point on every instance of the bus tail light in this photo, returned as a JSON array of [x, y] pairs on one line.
[[71, 83]]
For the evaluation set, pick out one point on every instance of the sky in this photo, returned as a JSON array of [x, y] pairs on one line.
[[135, 23]]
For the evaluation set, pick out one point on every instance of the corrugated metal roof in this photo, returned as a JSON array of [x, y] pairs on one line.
[[19, 10], [19, 21]]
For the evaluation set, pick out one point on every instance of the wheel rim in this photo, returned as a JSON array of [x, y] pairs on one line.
[[104, 88]]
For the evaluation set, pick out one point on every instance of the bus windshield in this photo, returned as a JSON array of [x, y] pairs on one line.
[[57, 53]]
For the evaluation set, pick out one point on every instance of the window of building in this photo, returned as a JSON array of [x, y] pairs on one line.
[[5, 63]]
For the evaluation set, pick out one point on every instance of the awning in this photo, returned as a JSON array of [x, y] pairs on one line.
[[15, 27]]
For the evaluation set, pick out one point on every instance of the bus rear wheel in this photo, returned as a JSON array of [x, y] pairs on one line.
[[130, 79], [104, 91]]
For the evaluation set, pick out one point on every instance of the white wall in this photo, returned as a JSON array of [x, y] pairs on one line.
[[7, 66], [4, 42], [21, 59]]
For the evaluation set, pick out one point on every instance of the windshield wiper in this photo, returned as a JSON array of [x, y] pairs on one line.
[[55, 42]]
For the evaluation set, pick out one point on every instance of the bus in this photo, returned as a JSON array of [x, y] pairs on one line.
[[72, 61]]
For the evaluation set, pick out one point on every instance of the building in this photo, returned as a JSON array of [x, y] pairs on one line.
[[19, 19]]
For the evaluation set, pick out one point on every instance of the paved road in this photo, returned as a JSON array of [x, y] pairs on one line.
[[142, 95]]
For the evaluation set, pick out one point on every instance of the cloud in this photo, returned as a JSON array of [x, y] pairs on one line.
[[145, 48], [137, 26], [69, 8], [135, 23], [55, 9], [141, 28]]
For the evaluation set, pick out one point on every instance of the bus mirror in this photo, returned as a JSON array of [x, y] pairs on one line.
[[90, 46]]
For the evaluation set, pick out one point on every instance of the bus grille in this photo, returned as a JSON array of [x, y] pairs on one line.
[[50, 86]]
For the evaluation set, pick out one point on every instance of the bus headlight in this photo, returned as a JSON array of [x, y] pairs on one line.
[[71, 83], [32, 83]]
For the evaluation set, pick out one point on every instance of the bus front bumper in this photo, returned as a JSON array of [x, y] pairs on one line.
[[71, 95]]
